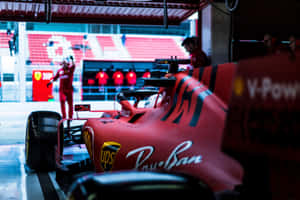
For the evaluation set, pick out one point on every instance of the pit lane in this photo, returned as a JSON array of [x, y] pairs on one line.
[[18, 183], [16, 180]]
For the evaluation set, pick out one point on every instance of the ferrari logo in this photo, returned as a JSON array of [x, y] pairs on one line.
[[108, 154], [37, 75]]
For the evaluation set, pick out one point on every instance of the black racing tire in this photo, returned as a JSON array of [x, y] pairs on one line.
[[41, 139]]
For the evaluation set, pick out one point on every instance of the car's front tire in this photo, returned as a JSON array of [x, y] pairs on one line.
[[41, 139]]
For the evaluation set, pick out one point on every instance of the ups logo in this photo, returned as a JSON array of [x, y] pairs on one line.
[[108, 154]]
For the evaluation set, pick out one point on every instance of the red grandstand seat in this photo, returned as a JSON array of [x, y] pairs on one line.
[[4, 38], [106, 42], [38, 53], [138, 47], [150, 48]]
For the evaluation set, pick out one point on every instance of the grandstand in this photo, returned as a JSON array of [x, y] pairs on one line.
[[44, 49], [99, 46], [48, 49]]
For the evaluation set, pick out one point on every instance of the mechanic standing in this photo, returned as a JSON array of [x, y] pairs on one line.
[[198, 57], [131, 78], [118, 78], [102, 79], [65, 74], [147, 74], [292, 46]]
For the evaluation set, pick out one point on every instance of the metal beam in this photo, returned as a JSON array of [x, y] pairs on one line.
[[62, 11]]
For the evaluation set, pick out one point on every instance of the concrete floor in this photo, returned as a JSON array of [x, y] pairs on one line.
[[15, 182]]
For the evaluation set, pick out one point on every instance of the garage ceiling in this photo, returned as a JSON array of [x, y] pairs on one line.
[[91, 11]]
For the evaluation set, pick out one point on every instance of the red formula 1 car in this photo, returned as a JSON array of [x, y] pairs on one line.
[[183, 133]]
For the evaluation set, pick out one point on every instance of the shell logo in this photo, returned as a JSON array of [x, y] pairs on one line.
[[37, 75], [238, 86]]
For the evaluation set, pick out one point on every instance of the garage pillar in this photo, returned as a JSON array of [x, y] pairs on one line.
[[215, 33], [21, 61]]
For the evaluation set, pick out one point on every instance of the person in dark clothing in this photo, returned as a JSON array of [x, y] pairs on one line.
[[292, 47], [123, 38], [292, 43], [11, 47], [198, 57], [272, 45], [267, 44]]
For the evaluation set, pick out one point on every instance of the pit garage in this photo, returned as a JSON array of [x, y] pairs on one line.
[[145, 120]]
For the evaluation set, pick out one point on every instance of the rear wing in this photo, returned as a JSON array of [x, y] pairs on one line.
[[262, 129], [139, 94], [160, 82], [171, 64]]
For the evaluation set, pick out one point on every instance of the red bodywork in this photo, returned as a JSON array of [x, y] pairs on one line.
[[183, 133], [262, 128]]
